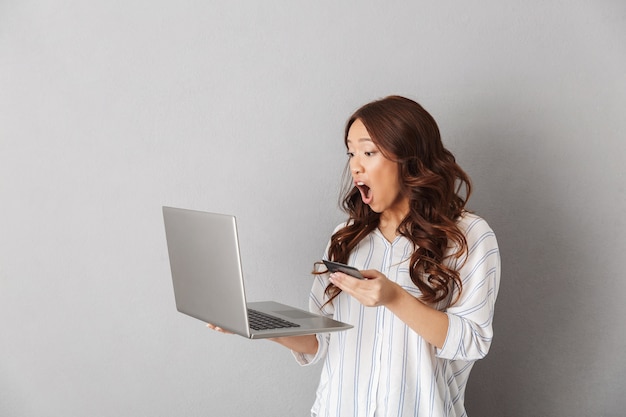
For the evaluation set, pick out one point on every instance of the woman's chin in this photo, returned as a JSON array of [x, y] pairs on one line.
[[375, 208]]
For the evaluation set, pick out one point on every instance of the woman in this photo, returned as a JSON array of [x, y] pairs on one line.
[[424, 313]]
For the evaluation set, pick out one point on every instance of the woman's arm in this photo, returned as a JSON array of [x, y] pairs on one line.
[[306, 344], [464, 331], [429, 323], [377, 290]]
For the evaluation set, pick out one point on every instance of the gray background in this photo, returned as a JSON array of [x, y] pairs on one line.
[[109, 110]]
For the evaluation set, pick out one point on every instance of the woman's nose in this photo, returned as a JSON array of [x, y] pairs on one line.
[[355, 166]]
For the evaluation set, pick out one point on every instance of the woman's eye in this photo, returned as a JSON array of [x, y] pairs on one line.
[[369, 153]]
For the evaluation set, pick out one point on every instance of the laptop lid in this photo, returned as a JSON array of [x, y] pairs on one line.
[[206, 268], [208, 279]]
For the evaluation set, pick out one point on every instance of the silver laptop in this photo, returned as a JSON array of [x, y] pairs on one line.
[[208, 280]]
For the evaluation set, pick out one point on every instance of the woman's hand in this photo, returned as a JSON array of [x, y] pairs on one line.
[[378, 290], [217, 329], [375, 290], [304, 344]]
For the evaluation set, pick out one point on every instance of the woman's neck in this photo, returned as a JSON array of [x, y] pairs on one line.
[[390, 221]]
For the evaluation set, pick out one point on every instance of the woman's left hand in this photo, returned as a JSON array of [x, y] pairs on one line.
[[378, 290], [375, 290]]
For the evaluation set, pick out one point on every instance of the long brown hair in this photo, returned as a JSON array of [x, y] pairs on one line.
[[432, 180]]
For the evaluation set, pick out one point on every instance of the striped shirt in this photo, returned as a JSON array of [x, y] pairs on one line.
[[381, 367]]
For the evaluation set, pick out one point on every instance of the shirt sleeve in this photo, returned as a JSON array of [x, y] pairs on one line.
[[470, 329]]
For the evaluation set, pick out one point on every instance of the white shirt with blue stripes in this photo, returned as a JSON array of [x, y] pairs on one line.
[[381, 367]]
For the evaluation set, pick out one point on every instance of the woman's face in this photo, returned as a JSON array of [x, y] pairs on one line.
[[375, 176]]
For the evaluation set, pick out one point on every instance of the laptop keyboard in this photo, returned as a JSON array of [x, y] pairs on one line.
[[262, 321]]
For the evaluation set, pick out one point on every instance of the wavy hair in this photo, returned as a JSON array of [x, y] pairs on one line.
[[436, 186]]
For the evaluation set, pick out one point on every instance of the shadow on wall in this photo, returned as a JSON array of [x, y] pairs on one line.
[[544, 358]]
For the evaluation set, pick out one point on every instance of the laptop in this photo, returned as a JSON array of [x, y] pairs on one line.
[[207, 274]]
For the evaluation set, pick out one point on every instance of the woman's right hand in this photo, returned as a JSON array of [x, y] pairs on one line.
[[304, 344], [217, 329]]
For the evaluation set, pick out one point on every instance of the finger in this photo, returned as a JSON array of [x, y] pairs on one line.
[[371, 274], [345, 282], [216, 328], [339, 278]]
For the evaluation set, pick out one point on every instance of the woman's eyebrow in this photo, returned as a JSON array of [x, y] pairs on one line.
[[366, 139]]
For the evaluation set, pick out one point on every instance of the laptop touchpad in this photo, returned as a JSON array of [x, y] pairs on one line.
[[296, 314]]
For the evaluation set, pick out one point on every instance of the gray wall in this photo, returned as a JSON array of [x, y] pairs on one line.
[[111, 109]]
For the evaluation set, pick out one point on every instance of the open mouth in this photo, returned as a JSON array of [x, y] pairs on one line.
[[366, 192]]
